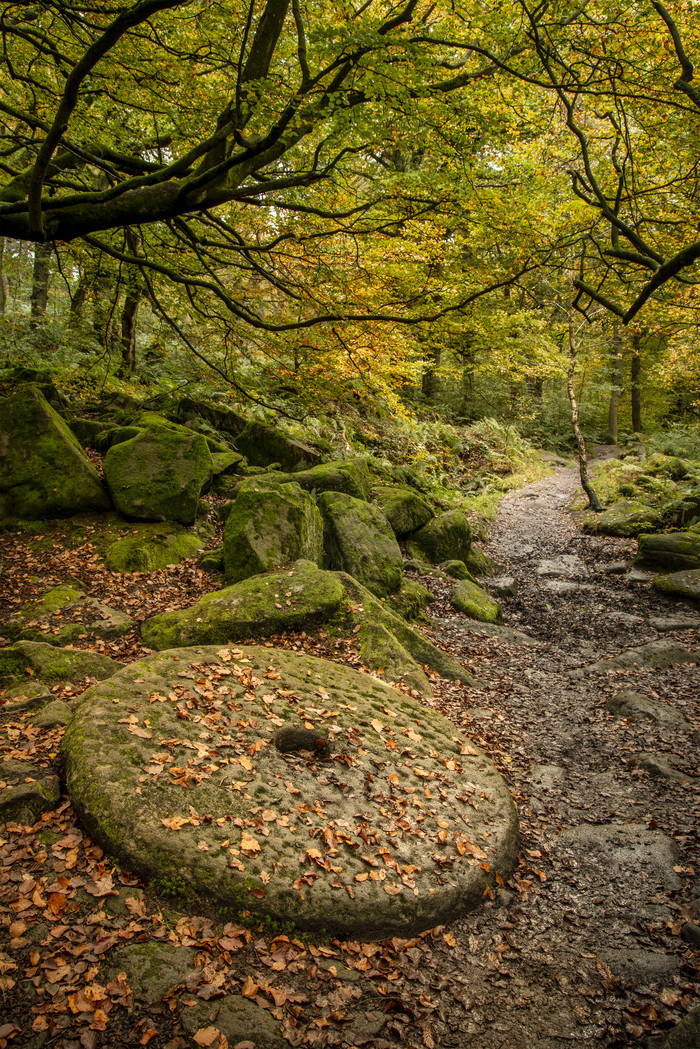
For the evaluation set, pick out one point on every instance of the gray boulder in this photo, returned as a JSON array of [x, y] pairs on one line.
[[159, 475], [44, 472]]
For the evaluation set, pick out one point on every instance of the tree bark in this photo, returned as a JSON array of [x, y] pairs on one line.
[[430, 383], [3, 279], [593, 501], [617, 375], [128, 331], [40, 284], [636, 367]]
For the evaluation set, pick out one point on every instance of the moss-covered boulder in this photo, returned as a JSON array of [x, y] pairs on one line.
[[457, 570], [248, 837], [104, 440], [358, 540], [306, 598], [470, 599], [350, 476], [670, 550], [159, 475], [445, 538], [405, 510], [297, 599], [44, 471], [410, 600], [626, 518], [385, 650], [479, 563], [25, 802], [62, 616], [27, 661], [262, 445], [269, 525], [683, 585], [150, 547]]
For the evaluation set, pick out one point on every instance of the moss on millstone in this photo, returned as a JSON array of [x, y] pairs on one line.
[[670, 550], [50, 663], [684, 585], [405, 510], [44, 472], [151, 547], [212, 843], [159, 475], [410, 600], [45, 618], [295, 599], [269, 525], [445, 538], [473, 601], [358, 540], [626, 518]]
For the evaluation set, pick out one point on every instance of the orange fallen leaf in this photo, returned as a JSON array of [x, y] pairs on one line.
[[250, 988], [249, 845]]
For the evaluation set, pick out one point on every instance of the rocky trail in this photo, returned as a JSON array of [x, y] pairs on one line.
[[596, 937]]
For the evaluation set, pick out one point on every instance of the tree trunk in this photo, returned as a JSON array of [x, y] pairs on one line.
[[3, 279], [636, 367], [128, 326], [430, 383], [77, 302], [593, 501], [40, 284], [616, 381]]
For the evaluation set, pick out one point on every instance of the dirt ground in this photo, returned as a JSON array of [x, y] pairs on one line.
[[593, 940]]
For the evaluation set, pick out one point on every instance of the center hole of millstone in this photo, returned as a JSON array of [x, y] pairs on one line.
[[296, 739]]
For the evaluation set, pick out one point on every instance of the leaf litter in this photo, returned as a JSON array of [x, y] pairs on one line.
[[535, 966]]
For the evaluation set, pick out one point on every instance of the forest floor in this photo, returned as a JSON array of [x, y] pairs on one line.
[[590, 941]]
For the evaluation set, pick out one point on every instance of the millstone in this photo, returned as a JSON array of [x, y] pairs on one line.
[[395, 823]]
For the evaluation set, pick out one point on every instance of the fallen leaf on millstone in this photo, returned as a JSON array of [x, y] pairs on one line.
[[392, 888], [207, 1036], [249, 846]]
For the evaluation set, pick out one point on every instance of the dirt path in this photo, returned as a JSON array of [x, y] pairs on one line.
[[588, 946], [591, 941]]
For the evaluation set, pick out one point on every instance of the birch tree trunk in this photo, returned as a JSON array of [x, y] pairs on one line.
[[593, 501]]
